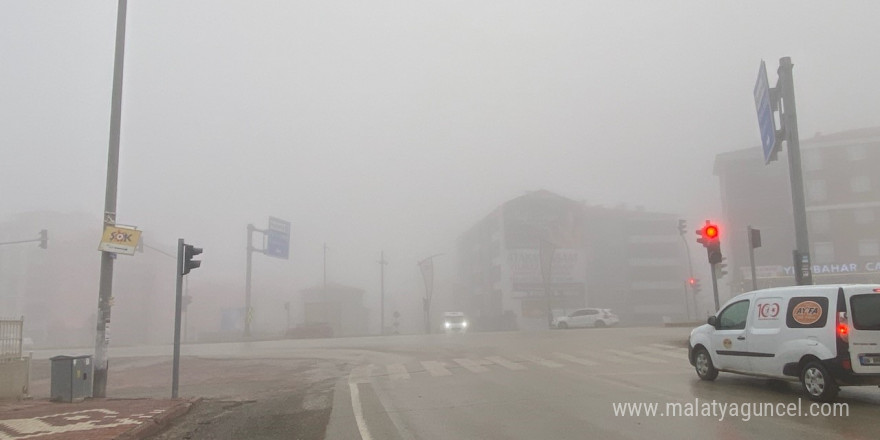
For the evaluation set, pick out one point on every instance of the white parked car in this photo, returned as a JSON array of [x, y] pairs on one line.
[[824, 336], [590, 317]]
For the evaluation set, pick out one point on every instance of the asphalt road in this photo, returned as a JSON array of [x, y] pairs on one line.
[[511, 385]]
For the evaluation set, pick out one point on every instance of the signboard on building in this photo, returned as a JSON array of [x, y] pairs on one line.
[[119, 240]]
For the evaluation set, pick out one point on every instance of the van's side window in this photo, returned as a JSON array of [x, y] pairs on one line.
[[734, 316]]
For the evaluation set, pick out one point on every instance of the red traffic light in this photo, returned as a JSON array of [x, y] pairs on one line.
[[691, 281], [710, 231]]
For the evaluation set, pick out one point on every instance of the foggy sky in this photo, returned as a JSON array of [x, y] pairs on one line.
[[388, 125]]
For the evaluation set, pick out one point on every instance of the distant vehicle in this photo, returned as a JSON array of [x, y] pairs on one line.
[[825, 336], [455, 322], [589, 317]]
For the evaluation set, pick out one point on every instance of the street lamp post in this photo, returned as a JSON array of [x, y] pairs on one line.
[[427, 268]]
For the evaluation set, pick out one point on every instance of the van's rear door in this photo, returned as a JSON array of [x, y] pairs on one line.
[[864, 328]]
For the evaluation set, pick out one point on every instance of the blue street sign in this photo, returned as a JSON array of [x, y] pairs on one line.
[[278, 238], [766, 122]]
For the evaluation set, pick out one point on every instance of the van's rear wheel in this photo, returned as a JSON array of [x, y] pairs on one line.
[[562, 325], [818, 383], [703, 364]]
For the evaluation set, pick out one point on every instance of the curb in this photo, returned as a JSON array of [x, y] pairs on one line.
[[159, 422]]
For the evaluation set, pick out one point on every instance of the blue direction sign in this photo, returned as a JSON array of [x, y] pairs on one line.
[[278, 242], [766, 122]]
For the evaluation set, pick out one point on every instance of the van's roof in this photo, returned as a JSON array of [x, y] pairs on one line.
[[815, 287], [454, 314]]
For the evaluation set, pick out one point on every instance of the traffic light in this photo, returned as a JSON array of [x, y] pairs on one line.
[[682, 226], [710, 238], [189, 251], [44, 239]]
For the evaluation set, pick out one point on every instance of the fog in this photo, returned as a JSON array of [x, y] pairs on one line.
[[395, 126]]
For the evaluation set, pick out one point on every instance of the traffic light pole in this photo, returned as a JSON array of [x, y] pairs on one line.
[[178, 306], [714, 285], [247, 281]]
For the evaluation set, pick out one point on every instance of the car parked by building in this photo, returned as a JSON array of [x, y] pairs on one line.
[[589, 317]]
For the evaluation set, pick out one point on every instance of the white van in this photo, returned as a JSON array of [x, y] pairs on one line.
[[824, 336]]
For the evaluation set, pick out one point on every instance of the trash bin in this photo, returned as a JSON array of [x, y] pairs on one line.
[[71, 378]]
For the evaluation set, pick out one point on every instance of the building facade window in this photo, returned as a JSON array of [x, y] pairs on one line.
[[869, 247], [860, 184], [864, 216], [820, 222], [817, 190], [856, 152], [824, 252], [812, 161]]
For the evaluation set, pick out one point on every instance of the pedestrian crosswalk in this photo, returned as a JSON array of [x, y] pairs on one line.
[[601, 359]]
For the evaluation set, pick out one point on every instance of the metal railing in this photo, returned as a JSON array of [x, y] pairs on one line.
[[11, 339]]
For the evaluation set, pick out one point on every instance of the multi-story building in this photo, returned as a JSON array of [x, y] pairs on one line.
[[543, 254], [842, 198]]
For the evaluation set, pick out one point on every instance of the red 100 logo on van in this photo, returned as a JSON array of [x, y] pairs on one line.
[[768, 311]]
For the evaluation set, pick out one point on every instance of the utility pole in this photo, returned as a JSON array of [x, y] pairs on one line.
[[382, 264], [324, 288], [247, 281], [105, 288]]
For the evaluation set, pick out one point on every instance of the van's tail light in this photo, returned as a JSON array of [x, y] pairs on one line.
[[842, 326]]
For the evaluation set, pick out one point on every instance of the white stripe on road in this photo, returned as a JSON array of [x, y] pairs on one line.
[[436, 368], [471, 365], [636, 356], [575, 359], [677, 354], [506, 363], [541, 361], [671, 348], [359, 374], [397, 372]]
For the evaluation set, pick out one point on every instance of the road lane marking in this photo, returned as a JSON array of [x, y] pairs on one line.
[[436, 368], [357, 375], [671, 348], [636, 356], [397, 372], [670, 353], [471, 365], [541, 361], [575, 359], [506, 363]]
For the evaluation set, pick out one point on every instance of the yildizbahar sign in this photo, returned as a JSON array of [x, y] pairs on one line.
[[119, 240]]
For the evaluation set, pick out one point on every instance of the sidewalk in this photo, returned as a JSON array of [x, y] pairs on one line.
[[92, 419]]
